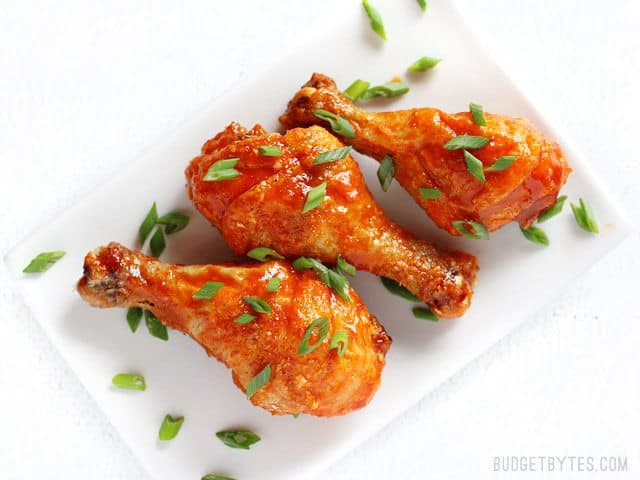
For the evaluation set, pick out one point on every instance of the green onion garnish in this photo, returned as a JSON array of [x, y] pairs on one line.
[[423, 5], [423, 64], [155, 326], [129, 381], [397, 289], [502, 163], [262, 253], [157, 243], [471, 229], [466, 141], [345, 267], [535, 235], [273, 284], [553, 210], [478, 114], [315, 196], [259, 381], [295, 415], [584, 217], [213, 476], [245, 318], [173, 222], [388, 90], [238, 438], [170, 428], [43, 262], [375, 19], [148, 223], [322, 325], [134, 316], [338, 124], [430, 193], [208, 291], [332, 155], [258, 305], [474, 166], [424, 313], [222, 170], [270, 151], [386, 172], [356, 89], [330, 277], [340, 341]]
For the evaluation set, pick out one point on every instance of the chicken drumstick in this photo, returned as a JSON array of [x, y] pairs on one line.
[[263, 205], [415, 139], [321, 382]]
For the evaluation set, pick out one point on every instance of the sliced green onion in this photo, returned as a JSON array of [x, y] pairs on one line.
[[423, 5], [270, 151], [535, 235], [43, 261], [423, 64], [397, 289], [208, 290], [322, 325], [295, 415], [478, 114], [345, 267], [471, 229], [262, 253], [424, 313], [157, 243], [155, 326], [340, 341], [129, 381], [273, 284], [134, 316], [466, 141], [213, 476], [173, 222], [222, 170], [259, 381], [474, 166], [553, 210], [375, 19], [338, 124], [584, 217], [258, 305], [386, 172], [315, 197], [430, 193], [356, 89], [238, 438], [148, 223], [333, 279], [502, 163], [170, 428], [245, 318], [388, 90], [332, 155]]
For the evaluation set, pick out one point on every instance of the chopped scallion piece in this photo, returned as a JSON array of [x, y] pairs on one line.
[[397, 289], [270, 151], [273, 284], [322, 326], [245, 318], [157, 243], [424, 313], [315, 196], [474, 166], [208, 291], [375, 19], [134, 316], [553, 210], [43, 262], [129, 381], [423, 5], [258, 305], [259, 381], [332, 155], [466, 141], [478, 114], [535, 235], [502, 163], [262, 253], [222, 170], [173, 222], [423, 64], [155, 326], [338, 124], [430, 193], [584, 217], [388, 90], [170, 428], [471, 229], [148, 223], [386, 172], [356, 89], [330, 277], [340, 341], [238, 438], [213, 476], [345, 267]]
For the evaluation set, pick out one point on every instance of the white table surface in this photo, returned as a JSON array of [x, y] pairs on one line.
[[86, 86]]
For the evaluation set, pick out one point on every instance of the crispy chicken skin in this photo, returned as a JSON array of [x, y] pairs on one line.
[[319, 383], [263, 207], [415, 139]]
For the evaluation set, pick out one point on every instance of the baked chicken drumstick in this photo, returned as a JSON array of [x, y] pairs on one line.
[[415, 139], [319, 380], [265, 200]]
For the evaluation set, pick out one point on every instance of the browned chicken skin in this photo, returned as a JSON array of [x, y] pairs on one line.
[[319, 383], [415, 138], [263, 208]]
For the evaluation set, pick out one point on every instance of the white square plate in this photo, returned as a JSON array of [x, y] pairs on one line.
[[516, 277]]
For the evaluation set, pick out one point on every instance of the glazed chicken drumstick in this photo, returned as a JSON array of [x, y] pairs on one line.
[[415, 139], [265, 203], [324, 381]]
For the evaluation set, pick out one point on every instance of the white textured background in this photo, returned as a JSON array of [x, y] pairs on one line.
[[86, 86]]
